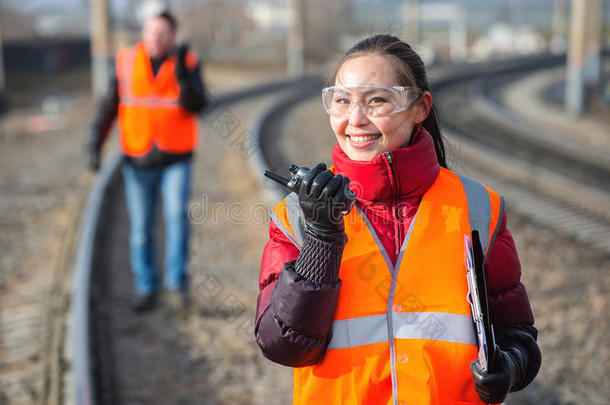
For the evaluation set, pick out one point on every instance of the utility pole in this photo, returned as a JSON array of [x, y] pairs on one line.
[[412, 20], [559, 26], [458, 36], [100, 47], [295, 44], [583, 64], [2, 82], [593, 65]]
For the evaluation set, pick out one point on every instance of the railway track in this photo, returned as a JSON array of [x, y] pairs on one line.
[[533, 167], [557, 184], [104, 334], [100, 320]]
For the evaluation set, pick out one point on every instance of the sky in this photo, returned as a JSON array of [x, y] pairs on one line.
[[65, 11], [36, 6], [78, 6]]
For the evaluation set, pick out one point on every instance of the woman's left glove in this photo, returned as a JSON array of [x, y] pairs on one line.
[[508, 369]]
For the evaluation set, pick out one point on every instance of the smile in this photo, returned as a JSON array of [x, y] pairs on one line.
[[363, 139]]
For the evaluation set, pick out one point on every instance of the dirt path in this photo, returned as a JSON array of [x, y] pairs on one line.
[[43, 189], [208, 356]]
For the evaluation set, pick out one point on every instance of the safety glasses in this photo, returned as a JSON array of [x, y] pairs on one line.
[[374, 100]]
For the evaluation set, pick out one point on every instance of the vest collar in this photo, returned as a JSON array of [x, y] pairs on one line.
[[166, 70], [407, 172]]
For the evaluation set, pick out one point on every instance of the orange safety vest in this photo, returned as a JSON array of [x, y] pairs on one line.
[[402, 334], [148, 105]]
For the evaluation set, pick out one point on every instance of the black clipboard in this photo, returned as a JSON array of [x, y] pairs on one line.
[[489, 345]]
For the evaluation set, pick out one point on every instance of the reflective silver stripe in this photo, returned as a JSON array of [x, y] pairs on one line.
[[145, 101], [296, 217], [497, 228], [439, 326], [390, 311], [359, 332], [377, 241], [403, 248], [285, 231], [479, 208]]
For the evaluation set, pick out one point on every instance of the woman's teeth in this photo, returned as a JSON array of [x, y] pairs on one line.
[[358, 139]]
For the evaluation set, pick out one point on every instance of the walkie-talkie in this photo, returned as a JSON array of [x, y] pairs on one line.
[[294, 183]]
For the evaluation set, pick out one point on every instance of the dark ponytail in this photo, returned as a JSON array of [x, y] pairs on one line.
[[433, 127], [411, 72]]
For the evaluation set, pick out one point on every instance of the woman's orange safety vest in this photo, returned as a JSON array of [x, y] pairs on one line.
[[148, 105], [402, 334]]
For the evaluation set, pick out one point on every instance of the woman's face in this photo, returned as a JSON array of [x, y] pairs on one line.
[[361, 137]]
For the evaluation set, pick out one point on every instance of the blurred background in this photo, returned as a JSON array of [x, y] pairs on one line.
[[53, 38], [533, 75]]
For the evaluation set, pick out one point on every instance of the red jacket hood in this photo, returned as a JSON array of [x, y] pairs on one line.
[[411, 173]]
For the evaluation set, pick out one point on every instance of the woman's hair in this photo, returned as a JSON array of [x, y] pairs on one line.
[[411, 72]]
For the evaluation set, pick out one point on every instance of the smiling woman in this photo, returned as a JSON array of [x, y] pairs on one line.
[[390, 64], [370, 306], [383, 123]]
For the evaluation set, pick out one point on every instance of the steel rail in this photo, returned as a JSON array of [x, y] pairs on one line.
[[78, 336]]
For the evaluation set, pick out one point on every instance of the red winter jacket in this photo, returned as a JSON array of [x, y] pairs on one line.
[[389, 195]]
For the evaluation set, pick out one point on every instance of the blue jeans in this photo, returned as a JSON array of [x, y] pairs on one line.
[[142, 185]]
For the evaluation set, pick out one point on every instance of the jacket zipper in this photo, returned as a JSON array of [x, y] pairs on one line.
[[388, 156], [394, 378]]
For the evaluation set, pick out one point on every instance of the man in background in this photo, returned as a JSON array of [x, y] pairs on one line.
[[156, 93]]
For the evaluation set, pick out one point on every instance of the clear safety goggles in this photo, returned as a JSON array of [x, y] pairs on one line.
[[374, 100]]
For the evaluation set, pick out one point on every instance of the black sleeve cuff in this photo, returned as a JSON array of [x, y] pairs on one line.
[[320, 260], [525, 343]]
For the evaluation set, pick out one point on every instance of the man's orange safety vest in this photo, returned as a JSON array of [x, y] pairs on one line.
[[149, 112], [402, 334]]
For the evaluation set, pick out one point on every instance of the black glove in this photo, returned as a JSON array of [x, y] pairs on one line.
[[506, 374], [181, 69], [322, 196], [93, 157]]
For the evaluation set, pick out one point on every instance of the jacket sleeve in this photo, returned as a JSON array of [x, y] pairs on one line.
[[293, 315], [508, 302], [509, 307], [106, 114]]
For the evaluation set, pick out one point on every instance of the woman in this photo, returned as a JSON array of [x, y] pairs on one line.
[[370, 307]]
